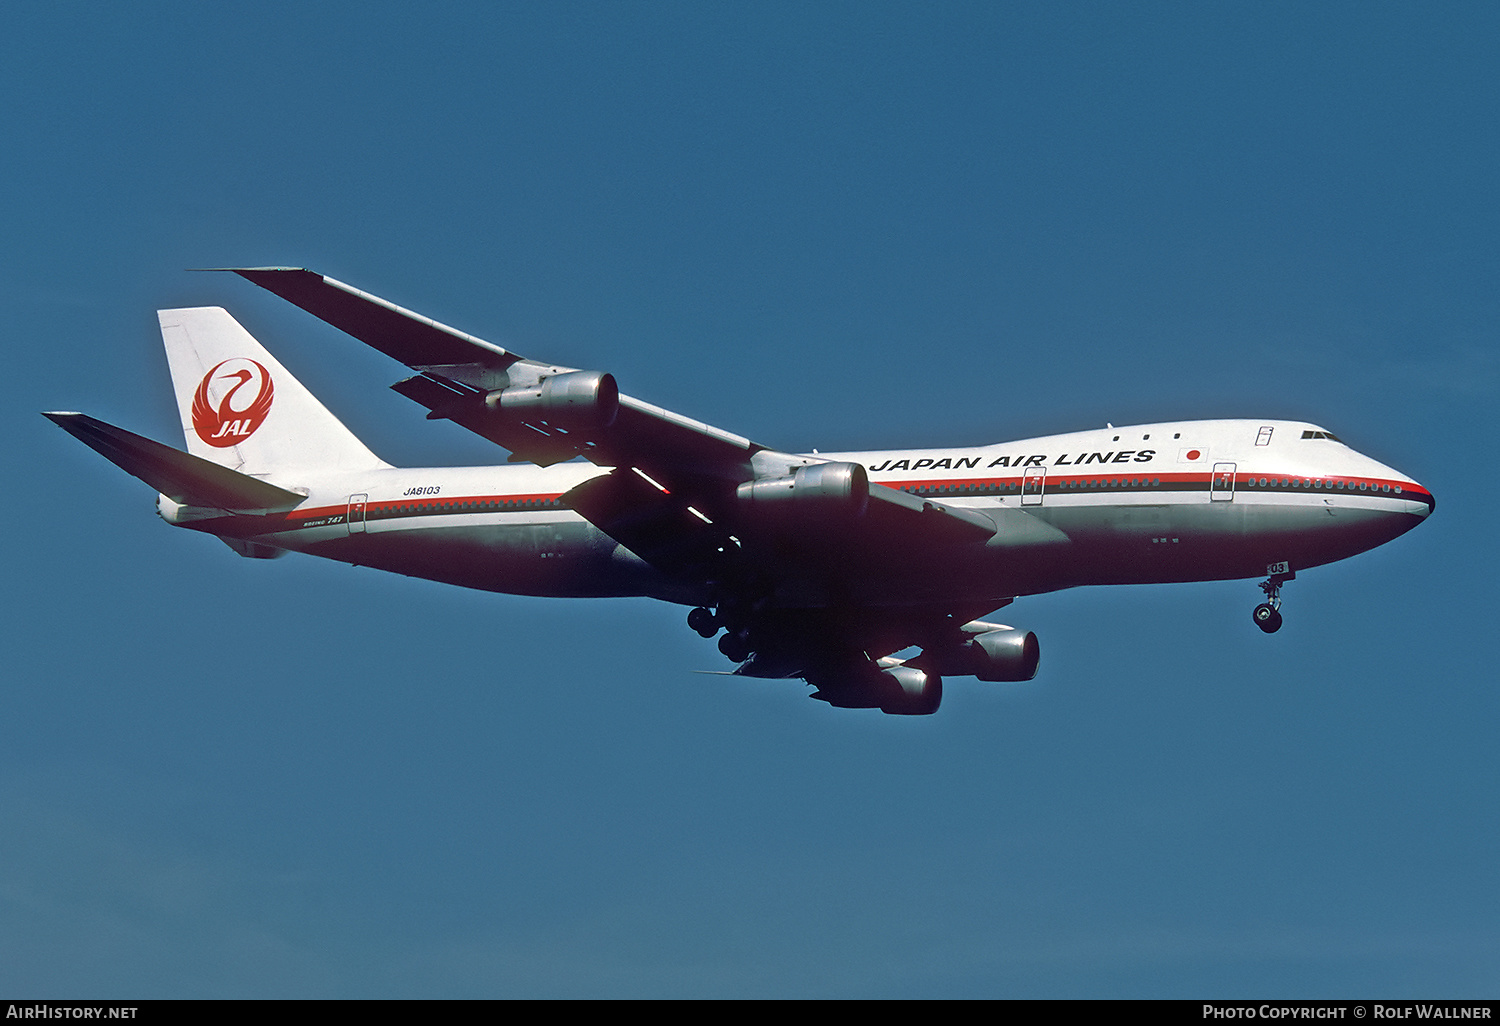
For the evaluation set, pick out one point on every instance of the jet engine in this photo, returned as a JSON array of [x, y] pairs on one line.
[[1004, 654], [575, 401], [823, 489], [911, 692]]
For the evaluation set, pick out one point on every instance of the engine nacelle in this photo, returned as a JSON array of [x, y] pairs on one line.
[[823, 490], [577, 400], [999, 655], [911, 692]]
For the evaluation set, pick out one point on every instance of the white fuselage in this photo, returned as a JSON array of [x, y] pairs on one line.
[[1194, 500]]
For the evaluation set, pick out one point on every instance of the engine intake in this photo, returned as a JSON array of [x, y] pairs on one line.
[[911, 692]]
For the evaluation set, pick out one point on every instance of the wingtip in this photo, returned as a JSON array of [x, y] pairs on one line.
[[74, 423], [242, 271]]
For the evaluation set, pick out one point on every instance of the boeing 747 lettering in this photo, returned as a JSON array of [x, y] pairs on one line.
[[824, 567]]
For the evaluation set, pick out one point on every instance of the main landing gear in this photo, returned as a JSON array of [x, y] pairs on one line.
[[1267, 615], [735, 644], [703, 620]]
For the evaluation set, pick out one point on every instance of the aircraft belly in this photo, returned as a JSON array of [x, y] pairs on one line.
[[1041, 549], [1127, 544], [563, 558]]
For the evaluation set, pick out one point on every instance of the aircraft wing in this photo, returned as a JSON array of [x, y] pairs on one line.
[[682, 492], [543, 413]]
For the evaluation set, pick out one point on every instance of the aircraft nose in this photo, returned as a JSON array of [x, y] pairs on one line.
[[1383, 519], [1421, 500]]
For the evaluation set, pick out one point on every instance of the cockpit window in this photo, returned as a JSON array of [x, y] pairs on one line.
[[1322, 434]]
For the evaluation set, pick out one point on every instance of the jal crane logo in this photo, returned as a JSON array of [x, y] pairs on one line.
[[232, 401]]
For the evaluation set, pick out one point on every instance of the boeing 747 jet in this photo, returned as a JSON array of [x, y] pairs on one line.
[[825, 567]]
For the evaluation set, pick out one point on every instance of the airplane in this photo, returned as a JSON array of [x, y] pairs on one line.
[[824, 567]]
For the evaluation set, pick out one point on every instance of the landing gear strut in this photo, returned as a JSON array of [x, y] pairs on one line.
[[1267, 615]]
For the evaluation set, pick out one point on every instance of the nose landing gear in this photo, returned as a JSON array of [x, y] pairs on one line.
[[1267, 615]]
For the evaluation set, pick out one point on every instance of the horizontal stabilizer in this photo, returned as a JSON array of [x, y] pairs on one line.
[[179, 476]]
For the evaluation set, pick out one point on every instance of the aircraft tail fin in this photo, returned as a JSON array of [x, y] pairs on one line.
[[181, 477], [242, 409]]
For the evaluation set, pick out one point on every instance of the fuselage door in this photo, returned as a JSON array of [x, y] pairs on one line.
[[1221, 488], [1033, 486], [356, 518]]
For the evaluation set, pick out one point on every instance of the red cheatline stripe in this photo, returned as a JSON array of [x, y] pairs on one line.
[[464, 504], [497, 504]]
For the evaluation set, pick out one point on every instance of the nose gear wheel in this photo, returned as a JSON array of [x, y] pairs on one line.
[[1267, 615]]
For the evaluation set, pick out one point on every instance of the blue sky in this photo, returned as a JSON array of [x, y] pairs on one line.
[[835, 226]]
